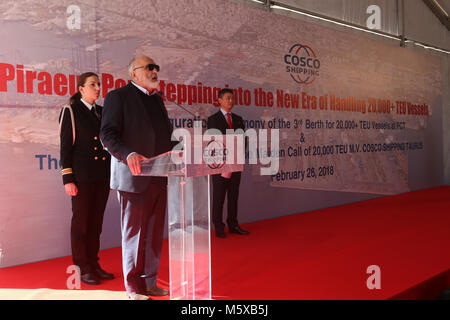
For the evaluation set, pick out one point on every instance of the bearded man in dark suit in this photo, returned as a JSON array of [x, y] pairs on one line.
[[135, 127]]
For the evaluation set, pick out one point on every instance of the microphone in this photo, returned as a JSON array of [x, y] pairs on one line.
[[161, 94]]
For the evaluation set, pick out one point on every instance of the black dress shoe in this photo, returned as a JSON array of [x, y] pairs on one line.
[[90, 278], [238, 230], [220, 234], [156, 291], [103, 275]]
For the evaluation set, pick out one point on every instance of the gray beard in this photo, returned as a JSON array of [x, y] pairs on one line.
[[154, 85]]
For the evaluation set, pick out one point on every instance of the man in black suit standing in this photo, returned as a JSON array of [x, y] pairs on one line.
[[226, 184], [135, 127]]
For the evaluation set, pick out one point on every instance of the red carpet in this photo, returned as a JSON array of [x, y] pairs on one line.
[[322, 254]]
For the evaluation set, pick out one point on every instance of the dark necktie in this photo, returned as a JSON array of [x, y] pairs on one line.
[[229, 121], [96, 112]]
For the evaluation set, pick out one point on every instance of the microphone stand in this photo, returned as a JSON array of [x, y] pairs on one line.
[[161, 94]]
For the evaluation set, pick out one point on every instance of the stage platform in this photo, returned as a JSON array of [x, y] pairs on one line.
[[322, 254]]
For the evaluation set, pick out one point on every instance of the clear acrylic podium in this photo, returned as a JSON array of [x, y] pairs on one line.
[[189, 203]]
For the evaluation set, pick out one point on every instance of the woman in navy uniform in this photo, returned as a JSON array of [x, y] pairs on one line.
[[85, 172]]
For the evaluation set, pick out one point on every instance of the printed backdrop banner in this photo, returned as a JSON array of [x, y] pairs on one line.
[[357, 117]]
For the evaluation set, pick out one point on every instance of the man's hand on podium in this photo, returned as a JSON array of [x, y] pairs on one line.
[[134, 162]]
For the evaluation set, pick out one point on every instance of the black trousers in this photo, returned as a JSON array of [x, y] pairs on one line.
[[230, 188], [88, 208]]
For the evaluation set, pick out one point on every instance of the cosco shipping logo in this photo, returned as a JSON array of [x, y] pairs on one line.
[[302, 64], [215, 154]]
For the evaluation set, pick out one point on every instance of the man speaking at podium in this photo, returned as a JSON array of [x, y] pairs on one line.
[[135, 127], [226, 184]]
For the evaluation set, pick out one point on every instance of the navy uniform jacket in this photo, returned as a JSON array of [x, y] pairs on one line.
[[85, 160], [126, 127]]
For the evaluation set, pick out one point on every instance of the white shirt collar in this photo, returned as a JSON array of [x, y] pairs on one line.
[[225, 112], [88, 105], [143, 89]]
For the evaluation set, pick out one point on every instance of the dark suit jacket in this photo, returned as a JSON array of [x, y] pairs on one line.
[[126, 128], [85, 160], [218, 121]]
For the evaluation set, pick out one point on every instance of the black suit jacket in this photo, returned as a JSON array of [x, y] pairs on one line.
[[126, 128], [85, 160], [218, 121]]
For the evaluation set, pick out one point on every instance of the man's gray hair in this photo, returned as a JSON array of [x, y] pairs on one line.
[[131, 65]]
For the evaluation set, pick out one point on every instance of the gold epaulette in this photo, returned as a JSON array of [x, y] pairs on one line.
[[67, 171]]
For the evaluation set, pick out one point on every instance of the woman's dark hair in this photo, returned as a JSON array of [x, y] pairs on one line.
[[81, 82]]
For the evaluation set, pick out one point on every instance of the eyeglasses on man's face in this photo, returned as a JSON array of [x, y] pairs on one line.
[[149, 67]]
